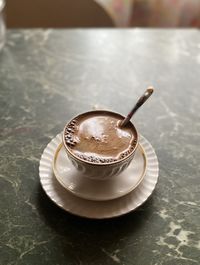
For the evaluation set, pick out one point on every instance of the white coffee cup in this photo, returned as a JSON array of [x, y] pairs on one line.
[[100, 171]]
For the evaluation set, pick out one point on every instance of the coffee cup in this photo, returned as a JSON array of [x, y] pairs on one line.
[[87, 135]]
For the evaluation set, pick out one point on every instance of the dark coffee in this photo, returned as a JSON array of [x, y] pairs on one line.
[[96, 137]]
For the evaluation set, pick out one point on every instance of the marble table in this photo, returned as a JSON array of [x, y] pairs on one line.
[[47, 77]]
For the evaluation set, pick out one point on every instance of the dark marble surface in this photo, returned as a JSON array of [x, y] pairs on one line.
[[47, 77]]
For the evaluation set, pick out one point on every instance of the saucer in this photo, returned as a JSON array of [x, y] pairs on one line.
[[98, 190], [97, 209]]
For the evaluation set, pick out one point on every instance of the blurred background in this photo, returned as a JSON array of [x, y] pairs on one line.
[[101, 13]]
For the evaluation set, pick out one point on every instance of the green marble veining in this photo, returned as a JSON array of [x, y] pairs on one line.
[[46, 78]]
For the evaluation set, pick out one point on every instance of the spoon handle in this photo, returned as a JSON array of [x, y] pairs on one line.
[[139, 103]]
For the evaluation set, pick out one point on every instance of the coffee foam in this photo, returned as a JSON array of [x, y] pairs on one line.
[[97, 137]]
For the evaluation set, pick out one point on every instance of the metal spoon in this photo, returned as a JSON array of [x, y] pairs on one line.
[[139, 103]]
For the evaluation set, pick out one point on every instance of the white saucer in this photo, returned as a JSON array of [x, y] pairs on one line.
[[97, 209], [98, 190]]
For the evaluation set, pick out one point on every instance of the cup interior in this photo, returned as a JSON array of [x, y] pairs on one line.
[[99, 112]]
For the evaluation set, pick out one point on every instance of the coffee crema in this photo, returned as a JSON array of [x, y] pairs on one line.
[[97, 137]]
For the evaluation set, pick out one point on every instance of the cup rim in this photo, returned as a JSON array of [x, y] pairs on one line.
[[94, 163]]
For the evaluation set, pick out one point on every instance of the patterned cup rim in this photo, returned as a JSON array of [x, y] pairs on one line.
[[95, 163]]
